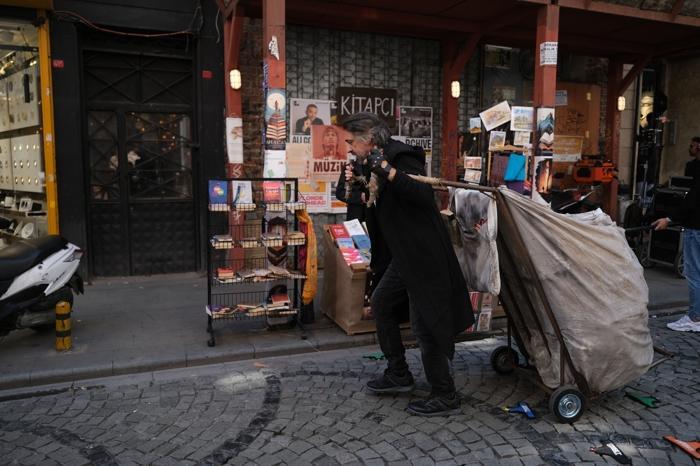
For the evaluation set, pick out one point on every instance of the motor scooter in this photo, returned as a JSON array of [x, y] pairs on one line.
[[36, 274]]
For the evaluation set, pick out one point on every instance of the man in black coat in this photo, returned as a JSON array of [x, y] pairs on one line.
[[422, 267]]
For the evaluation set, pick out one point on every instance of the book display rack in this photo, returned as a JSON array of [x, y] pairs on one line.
[[254, 270]]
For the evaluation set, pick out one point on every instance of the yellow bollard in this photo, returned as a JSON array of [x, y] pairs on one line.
[[64, 342]]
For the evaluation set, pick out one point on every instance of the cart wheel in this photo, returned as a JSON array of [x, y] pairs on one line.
[[567, 403], [504, 359], [679, 267]]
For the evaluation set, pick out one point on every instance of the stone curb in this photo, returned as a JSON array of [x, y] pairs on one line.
[[111, 368]]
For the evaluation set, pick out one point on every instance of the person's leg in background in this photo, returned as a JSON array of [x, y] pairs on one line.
[[691, 268], [389, 291]]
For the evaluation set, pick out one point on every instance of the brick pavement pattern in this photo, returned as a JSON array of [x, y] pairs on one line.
[[314, 409]]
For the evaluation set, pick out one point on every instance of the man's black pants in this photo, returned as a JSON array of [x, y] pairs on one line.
[[390, 291]]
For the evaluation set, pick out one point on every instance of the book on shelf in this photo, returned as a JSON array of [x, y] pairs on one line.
[[362, 242], [279, 271], [246, 274], [242, 192], [354, 227], [352, 256], [225, 273], [218, 192], [222, 241], [295, 238], [345, 243], [338, 231], [272, 191]]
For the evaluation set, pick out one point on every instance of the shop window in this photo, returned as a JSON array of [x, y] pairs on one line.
[[22, 189]]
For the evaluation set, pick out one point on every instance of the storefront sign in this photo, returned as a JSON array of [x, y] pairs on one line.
[[381, 102], [567, 148], [548, 53]]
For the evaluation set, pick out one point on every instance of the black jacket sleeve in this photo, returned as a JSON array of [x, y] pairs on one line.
[[355, 191], [412, 190]]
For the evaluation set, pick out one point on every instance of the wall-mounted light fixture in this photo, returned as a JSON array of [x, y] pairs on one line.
[[621, 103], [234, 77], [454, 89]]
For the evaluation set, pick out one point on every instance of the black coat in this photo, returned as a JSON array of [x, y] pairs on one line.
[[411, 226]]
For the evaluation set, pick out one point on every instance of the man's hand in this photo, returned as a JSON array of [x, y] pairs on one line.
[[377, 162], [307, 124], [348, 172], [661, 224]]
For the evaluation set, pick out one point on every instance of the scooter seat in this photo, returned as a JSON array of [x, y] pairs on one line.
[[22, 255]]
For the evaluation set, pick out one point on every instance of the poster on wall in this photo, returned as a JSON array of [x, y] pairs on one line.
[[497, 140], [567, 148], [275, 164], [416, 127], [336, 206], [329, 152], [315, 194], [382, 102], [275, 119], [495, 116], [521, 138], [543, 174], [298, 157], [305, 113], [522, 118], [234, 140], [545, 131]]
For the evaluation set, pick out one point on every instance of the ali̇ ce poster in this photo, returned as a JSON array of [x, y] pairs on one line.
[[305, 113]]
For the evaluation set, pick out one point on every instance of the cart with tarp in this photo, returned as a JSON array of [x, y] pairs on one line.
[[574, 294]]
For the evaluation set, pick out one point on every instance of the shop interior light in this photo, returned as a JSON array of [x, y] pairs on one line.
[[234, 77], [621, 103], [454, 89]]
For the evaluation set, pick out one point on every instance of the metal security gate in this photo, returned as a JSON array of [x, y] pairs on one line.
[[138, 152]]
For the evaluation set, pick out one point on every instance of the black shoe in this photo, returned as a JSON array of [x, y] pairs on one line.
[[389, 383], [435, 405]]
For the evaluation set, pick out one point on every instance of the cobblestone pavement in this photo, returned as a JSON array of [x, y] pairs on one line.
[[313, 409]]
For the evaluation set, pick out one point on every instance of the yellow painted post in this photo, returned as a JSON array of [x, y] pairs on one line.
[[64, 341], [48, 124]]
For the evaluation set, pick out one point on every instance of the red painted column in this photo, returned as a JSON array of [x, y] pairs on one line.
[[545, 75], [274, 25], [450, 106], [612, 133]]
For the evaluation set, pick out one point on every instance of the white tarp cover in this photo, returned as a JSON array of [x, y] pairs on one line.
[[597, 292], [477, 252]]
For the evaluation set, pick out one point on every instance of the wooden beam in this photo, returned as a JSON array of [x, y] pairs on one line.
[[233, 31], [321, 10], [612, 133], [676, 10], [627, 11], [454, 58], [633, 73]]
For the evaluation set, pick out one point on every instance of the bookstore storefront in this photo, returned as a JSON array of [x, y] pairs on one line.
[[27, 176]]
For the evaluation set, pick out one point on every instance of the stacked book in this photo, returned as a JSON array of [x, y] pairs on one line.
[[353, 243]]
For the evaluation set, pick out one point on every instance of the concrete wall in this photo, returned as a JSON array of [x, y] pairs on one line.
[[683, 90]]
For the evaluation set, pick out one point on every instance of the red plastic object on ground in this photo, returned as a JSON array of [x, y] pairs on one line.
[[691, 448]]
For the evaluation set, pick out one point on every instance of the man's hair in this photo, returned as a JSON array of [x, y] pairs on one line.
[[365, 123], [695, 139], [311, 105]]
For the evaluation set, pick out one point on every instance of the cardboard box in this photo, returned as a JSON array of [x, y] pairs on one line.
[[343, 294]]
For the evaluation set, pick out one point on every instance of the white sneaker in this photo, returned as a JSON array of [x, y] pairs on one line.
[[684, 324]]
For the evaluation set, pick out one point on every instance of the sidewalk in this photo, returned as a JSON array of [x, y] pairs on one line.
[[138, 324]]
